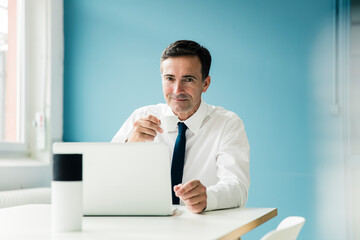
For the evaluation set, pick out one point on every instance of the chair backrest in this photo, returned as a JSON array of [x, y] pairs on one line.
[[288, 229], [25, 196]]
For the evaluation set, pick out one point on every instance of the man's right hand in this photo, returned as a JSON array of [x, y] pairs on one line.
[[145, 129]]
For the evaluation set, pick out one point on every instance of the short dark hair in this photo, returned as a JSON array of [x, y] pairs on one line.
[[189, 48]]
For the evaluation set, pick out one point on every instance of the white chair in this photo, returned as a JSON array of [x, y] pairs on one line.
[[288, 229], [25, 196]]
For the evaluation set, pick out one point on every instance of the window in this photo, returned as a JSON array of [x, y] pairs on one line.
[[31, 72], [39, 79], [12, 134]]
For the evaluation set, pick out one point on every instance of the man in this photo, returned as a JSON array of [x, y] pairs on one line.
[[214, 173]]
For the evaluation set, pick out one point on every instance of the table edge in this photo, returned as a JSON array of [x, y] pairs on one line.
[[237, 233]]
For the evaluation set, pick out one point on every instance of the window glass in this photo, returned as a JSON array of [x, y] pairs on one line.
[[10, 109]]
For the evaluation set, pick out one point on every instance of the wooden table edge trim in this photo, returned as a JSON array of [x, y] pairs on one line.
[[237, 233]]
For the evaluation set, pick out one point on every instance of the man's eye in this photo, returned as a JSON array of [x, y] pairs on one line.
[[170, 79], [189, 80]]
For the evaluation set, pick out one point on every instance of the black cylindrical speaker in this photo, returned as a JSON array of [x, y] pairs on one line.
[[67, 195]]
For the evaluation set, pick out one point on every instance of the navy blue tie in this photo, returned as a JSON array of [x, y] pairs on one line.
[[177, 166]]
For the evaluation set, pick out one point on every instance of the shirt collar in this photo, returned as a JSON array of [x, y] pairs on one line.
[[194, 122]]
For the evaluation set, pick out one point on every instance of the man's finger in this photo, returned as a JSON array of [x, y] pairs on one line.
[[177, 187], [150, 122], [193, 193], [194, 200], [188, 187], [197, 208], [146, 137], [152, 119], [151, 125], [147, 131]]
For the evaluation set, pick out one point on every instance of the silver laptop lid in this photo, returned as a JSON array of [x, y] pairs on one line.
[[124, 178]]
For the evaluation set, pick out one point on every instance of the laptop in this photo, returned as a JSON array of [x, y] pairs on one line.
[[124, 178]]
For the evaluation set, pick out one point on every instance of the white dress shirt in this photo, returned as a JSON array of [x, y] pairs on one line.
[[217, 151]]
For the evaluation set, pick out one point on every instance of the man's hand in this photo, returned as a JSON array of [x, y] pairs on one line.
[[193, 194], [145, 129]]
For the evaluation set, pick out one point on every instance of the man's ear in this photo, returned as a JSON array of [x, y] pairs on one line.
[[206, 83]]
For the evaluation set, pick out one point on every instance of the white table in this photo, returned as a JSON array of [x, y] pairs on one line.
[[34, 222]]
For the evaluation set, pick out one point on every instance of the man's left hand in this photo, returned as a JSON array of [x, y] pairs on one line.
[[193, 194]]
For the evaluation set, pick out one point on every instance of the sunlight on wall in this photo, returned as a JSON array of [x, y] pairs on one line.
[[328, 145], [334, 135], [353, 163]]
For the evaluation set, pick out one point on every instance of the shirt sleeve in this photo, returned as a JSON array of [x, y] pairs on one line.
[[125, 131], [232, 160]]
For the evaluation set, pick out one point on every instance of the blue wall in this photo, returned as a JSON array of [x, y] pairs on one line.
[[261, 55]]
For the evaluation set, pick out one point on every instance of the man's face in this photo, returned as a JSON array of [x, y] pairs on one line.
[[182, 84]]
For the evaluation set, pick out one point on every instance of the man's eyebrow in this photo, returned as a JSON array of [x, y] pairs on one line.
[[189, 76], [169, 75]]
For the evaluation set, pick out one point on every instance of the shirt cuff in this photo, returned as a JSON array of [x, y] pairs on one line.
[[211, 200]]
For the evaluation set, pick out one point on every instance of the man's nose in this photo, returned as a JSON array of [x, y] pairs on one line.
[[178, 87]]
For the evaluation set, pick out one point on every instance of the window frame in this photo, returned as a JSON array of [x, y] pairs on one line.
[[19, 148], [42, 19]]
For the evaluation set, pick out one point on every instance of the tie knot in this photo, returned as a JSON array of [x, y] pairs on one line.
[[182, 127]]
